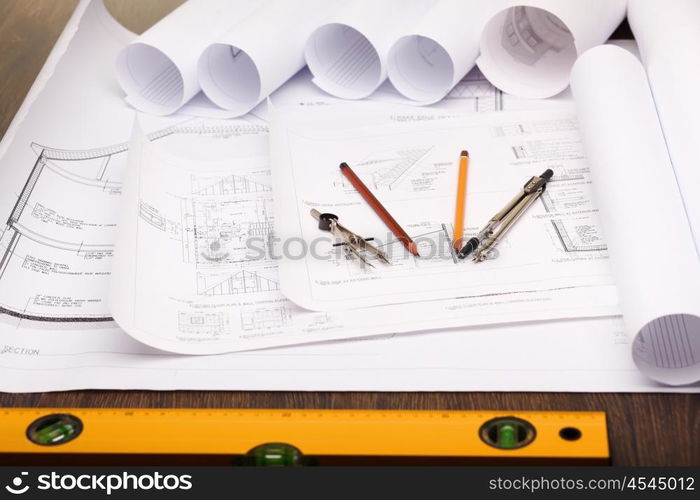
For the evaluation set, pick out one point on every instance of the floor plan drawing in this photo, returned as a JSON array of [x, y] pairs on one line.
[[265, 318], [203, 323], [223, 227]]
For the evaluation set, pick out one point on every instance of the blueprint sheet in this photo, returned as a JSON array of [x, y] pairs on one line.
[[74, 344], [558, 248], [196, 262]]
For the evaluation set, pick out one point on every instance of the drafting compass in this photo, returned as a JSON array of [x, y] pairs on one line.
[[353, 243], [483, 243]]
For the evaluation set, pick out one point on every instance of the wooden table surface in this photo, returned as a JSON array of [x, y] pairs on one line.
[[645, 429]]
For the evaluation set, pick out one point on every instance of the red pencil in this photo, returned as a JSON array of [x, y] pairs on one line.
[[379, 209]]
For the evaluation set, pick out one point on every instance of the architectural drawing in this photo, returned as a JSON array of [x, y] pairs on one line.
[[223, 226], [402, 170], [206, 283], [210, 324], [389, 168], [265, 318], [230, 184], [509, 149], [156, 219], [476, 88], [58, 238], [579, 236], [568, 194], [235, 283]]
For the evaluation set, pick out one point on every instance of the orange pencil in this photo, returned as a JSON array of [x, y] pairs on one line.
[[379, 209], [458, 233]]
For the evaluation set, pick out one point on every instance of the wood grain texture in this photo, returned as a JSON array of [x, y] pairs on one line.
[[645, 429], [139, 15]]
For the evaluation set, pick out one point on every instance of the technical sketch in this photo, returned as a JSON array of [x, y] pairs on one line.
[[265, 318], [566, 199], [578, 236], [567, 196], [540, 140], [548, 201], [548, 150], [152, 216], [510, 129], [534, 127], [564, 173], [63, 221], [222, 227], [230, 184], [434, 244], [210, 324], [386, 169], [529, 144], [475, 87], [235, 283]]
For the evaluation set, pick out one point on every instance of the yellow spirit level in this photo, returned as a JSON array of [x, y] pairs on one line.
[[301, 437]]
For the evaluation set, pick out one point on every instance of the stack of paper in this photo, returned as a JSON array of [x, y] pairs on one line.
[[177, 226]]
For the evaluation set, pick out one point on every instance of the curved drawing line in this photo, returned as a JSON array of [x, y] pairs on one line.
[[67, 319], [81, 179], [59, 244], [182, 128]]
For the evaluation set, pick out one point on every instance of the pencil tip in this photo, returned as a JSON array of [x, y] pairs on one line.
[[465, 153], [344, 165]]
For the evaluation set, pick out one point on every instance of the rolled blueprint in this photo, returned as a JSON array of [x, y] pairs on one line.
[[425, 64], [158, 70], [651, 247], [528, 49], [668, 34], [348, 55], [245, 65]]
